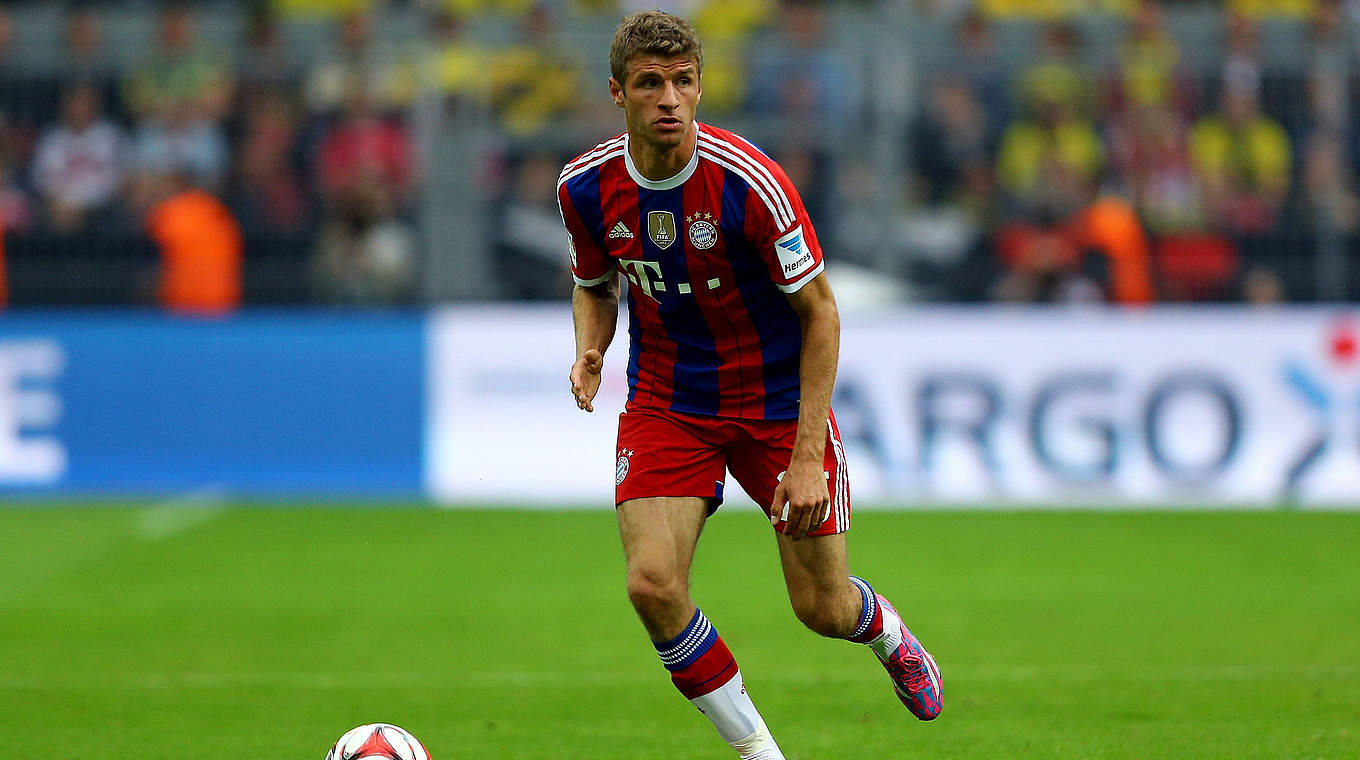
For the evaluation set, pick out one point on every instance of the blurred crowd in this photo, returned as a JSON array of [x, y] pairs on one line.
[[1127, 176], [197, 148], [205, 171]]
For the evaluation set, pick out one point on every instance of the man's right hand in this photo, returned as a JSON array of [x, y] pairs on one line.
[[585, 378]]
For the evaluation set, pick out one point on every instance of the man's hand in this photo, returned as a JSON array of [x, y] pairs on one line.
[[585, 378], [801, 499]]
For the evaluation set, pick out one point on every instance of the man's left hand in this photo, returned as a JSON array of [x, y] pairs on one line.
[[801, 499]]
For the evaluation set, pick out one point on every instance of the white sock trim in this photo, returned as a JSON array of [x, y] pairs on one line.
[[758, 746], [730, 709], [891, 638]]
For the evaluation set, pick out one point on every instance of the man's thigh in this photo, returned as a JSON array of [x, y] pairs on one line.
[[760, 460], [815, 565], [659, 534]]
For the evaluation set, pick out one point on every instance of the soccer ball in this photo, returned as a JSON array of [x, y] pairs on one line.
[[378, 741]]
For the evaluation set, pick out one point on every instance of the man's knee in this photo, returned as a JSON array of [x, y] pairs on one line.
[[825, 611], [818, 619], [654, 591]]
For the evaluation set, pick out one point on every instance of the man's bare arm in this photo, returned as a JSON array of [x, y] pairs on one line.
[[595, 313], [804, 487]]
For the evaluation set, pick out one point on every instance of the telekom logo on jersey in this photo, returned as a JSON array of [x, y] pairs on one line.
[[647, 276]]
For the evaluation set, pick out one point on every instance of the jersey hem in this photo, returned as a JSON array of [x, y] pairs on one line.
[[798, 284], [587, 283], [631, 408]]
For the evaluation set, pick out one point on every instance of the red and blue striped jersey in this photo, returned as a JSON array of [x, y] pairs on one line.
[[709, 255]]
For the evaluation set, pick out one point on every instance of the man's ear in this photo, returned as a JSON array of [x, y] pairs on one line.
[[616, 92]]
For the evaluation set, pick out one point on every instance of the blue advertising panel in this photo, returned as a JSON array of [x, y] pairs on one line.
[[261, 404]]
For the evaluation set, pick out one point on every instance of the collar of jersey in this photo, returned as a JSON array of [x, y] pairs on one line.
[[669, 182]]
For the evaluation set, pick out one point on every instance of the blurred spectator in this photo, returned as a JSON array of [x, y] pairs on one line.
[[364, 254], [512, 9], [364, 251], [83, 53], [1044, 263], [365, 154], [952, 187], [14, 216], [455, 63], [84, 57], [6, 41], [1098, 254], [267, 192], [180, 71], [200, 246], [531, 232], [1328, 162], [801, 78], [726, 28], [1258, 8], [16, 211], [1242, 70], [356, 60], [1049, 161], [309, 9], [1329, 187], [1110, 228], [975, 60], [535, 80], [268, 64], [78, 166], [1149, 71], [950, 141], [1243, 161], [1330, 108], [1150, 158], [1196, 267], [183, 140], [21, 106], [1058, 76]]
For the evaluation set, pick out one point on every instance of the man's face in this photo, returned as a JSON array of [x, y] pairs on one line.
[[659, 96]]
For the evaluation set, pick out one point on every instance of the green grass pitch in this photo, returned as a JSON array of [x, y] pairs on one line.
[[257, 631]]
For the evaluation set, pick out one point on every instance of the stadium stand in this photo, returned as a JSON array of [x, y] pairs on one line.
[[389, 152]]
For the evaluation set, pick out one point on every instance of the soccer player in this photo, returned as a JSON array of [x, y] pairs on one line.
[[734, 341]]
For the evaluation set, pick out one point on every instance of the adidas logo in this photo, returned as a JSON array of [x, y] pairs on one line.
[[620, 231]]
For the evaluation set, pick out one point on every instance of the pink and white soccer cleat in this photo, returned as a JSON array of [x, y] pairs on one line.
[[915, 676]]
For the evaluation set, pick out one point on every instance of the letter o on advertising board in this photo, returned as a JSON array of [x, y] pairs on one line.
[[1154, 413]]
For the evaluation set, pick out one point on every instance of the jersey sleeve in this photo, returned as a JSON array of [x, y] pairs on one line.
[[590, 265], [782, 231]]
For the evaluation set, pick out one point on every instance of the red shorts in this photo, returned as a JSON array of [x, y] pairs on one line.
[[662, 453]]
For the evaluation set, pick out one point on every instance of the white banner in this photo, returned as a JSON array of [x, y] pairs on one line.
[[1168, 407]]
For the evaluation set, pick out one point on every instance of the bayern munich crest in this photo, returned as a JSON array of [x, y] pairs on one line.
[[702, 234], [621, 467]]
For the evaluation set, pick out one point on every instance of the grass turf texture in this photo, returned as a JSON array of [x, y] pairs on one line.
[[261, 632]]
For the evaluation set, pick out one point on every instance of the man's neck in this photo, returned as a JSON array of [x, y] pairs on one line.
[[662, 164]]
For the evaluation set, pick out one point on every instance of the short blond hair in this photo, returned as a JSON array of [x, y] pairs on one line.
[[652, 33]]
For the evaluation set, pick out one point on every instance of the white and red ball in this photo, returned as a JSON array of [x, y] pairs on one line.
[[378, 741]]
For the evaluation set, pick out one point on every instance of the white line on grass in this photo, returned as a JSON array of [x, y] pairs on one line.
[[181, 513]]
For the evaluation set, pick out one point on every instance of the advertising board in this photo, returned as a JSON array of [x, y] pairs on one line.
[[268, 404], [1172, 407]]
